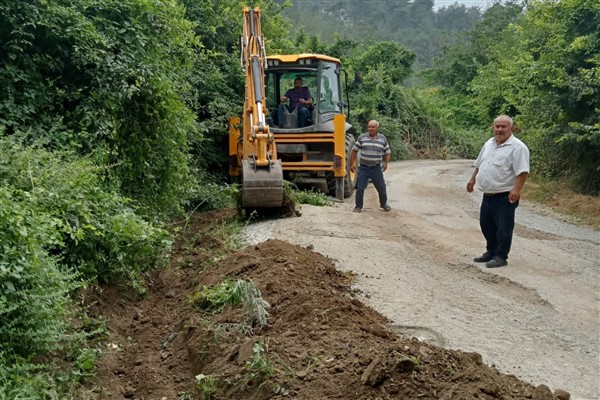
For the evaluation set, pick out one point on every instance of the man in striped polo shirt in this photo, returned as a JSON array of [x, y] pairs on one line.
[[374, 149]]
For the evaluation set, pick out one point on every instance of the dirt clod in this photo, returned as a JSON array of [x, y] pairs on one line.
[[542, 392], [561, 394]]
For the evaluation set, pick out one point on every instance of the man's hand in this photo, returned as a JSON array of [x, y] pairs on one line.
[[284, 99], [470, 185], [515, 193], [385, 165]]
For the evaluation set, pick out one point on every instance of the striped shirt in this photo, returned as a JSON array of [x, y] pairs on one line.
[[372, 149]]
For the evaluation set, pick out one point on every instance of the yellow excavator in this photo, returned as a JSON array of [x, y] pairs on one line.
[[269, 145]]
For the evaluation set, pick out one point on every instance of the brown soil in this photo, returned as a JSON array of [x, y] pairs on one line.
[[320, 341]]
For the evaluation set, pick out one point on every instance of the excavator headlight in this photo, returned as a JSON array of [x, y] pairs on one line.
[[337, 161]]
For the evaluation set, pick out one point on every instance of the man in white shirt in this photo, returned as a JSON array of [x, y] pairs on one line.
[[501, 170]]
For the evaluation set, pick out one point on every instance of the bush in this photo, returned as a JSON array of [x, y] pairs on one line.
[[33, 290], [21, 380], [207, 196], [109, 77], [462, 133], [98, 234]]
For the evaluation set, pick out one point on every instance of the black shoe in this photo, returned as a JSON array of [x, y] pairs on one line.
[[485, 257], [357, 210], [496, 262], [386, 208]]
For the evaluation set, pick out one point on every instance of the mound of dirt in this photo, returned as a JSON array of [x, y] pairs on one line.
[[320, 342]]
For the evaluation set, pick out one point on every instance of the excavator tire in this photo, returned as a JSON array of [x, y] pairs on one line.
[[262, 187], [350, 178]]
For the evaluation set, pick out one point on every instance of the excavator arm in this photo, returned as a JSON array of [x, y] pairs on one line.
[[262, 174]]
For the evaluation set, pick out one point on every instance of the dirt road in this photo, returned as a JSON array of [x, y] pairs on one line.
[[538, 318]]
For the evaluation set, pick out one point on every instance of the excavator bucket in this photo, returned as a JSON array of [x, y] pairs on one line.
[[262, 187]]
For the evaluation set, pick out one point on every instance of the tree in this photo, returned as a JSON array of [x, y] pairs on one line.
[[546, 70], [103, 78], [461, 57]]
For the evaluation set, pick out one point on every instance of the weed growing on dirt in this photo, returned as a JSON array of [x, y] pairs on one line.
[[240, 329], [208, 385], [211, 196], [254, 305], [313, 362], [311, 197], [259, 368], [214, 298], [209, 247], [85, 365]]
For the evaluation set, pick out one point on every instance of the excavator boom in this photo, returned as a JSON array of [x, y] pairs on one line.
[[262, 174]]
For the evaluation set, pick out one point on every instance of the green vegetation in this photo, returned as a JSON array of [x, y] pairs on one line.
[[539, 65], [311, 197], [207, 384], [413, 24], [104, 79], [113, 115], [259, 368], [239, 292]]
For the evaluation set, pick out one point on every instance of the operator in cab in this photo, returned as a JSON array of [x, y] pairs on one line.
[[299, 97]]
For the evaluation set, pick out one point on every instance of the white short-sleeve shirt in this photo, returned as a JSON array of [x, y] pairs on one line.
[[500, 165]]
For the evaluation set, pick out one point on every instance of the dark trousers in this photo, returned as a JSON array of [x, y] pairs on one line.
[[303, 114], [362, 180], [497, 221]]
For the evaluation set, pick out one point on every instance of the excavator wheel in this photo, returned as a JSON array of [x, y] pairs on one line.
[[262, 187]]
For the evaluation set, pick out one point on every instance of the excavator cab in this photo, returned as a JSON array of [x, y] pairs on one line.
[[320, 75], [316, 154]]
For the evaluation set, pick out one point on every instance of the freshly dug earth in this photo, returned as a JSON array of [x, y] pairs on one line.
[[320, 341]]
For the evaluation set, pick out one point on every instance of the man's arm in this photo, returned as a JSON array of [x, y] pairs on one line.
[[386, 160], [285, 97], [515, 193], [353, 160], [306, 97], [471, 183]]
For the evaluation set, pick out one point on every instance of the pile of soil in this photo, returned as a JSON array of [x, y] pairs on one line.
[[320, 341]]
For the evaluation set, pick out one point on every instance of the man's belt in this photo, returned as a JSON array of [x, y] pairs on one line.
[[496, 194], [370, 166]]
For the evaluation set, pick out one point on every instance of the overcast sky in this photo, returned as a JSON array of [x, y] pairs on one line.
[[469, 3]]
